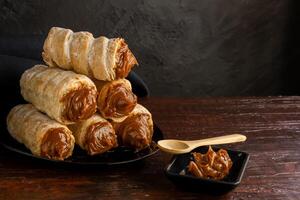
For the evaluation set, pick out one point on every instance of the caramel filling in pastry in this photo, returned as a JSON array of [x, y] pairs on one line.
[[100, 138], [213, 165], [120, 101], [125, 60], [135, 131], [55, 144], [80, 104]]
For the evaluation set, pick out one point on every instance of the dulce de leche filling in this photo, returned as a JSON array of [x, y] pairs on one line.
[[100, 137], [136, 132], [80, 104], [56, 144], [120, 101], [125, 60]]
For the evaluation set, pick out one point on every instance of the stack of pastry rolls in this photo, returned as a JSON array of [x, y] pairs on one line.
[[81, 96]]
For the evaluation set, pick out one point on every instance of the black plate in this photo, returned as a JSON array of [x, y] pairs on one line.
[[118, 156], [179, 163]]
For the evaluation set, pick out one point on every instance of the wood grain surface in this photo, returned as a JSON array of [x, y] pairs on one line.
[[272, 125]]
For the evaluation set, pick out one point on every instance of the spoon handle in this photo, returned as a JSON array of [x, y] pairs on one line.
[[217, 140]]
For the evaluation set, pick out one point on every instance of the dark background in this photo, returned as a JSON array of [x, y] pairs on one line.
[[184, 47]]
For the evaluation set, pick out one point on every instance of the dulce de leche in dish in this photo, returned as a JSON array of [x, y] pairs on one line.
[[212, 165]]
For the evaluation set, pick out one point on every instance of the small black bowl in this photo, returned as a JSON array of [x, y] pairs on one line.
[[179, 163]]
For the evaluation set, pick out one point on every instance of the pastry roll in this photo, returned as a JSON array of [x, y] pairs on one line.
[[42, 135], [100, 58], [115, 99], [94, 135], [136, 130], [65, 96]]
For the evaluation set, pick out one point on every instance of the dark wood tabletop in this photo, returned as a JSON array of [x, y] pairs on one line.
[[271, 124]]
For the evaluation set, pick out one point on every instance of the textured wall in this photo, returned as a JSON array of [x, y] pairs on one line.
[[184, 47]]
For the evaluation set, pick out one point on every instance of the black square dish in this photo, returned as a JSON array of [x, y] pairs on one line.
[[176, 168]]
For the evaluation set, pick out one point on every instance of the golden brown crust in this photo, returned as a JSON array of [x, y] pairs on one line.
[[79, 52], [56, 48], [100, 58], [35, 130], [64, 95]]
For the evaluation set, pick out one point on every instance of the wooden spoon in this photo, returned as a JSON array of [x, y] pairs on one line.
[[182, 146]]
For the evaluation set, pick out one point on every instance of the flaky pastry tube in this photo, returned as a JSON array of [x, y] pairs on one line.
[[42, 135], [100, 58], [136, 130], [65, 96], [115, 99], [94, 135]]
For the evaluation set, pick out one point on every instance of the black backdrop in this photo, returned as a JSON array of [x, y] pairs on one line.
[[184, 47]]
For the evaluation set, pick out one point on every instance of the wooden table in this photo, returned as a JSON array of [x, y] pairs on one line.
[[272, 125]]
